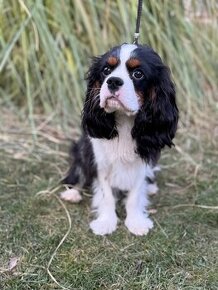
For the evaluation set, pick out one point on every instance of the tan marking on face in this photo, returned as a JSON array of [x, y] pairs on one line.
[[112, 60], [140, 97], [96, 85], [152, 94], [133, 63]]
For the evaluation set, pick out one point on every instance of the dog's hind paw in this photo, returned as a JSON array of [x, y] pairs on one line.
[[152, 189], [71, 195]]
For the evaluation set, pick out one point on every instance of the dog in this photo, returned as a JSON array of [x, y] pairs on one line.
[[129, 116]]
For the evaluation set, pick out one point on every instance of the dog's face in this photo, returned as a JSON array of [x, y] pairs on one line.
[[122, 75], [133, 80]]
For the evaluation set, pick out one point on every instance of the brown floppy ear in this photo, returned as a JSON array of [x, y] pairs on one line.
[[156, 122]]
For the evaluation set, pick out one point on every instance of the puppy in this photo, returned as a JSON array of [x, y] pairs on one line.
[[129, 115]]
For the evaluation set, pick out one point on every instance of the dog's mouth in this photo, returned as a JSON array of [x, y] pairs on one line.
[[113, 104]]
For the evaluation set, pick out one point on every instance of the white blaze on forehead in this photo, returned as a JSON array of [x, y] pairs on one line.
[[125, 52]]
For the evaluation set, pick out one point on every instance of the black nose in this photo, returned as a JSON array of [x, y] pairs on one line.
[[114, 83]]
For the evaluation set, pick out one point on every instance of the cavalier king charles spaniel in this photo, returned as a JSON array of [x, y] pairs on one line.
[[129, 115]]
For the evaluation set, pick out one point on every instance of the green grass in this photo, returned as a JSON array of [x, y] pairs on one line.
[[179, 253]]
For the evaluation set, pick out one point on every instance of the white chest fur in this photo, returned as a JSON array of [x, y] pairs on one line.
[[117, 157]]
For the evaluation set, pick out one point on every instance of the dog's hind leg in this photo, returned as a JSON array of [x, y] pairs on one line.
[[82, 170], [152, 187], [71, 181]]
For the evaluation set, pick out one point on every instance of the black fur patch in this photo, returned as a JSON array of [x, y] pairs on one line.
[[83, 168]]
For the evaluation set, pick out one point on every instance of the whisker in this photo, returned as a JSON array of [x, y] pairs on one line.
[[95, 100], [91, 99]]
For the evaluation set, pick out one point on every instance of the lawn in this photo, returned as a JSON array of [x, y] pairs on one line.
[[179, 253]]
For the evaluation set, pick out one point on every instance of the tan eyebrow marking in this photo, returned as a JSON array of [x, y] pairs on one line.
[[112, 60], [133, 63]]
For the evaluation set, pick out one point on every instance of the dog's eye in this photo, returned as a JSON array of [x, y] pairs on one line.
[[138, 74], [106, 70]]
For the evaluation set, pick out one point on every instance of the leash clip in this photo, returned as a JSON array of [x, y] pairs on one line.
[[136, 37]]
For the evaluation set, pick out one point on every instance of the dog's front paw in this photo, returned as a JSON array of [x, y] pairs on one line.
[[104, 225], [139, 224]]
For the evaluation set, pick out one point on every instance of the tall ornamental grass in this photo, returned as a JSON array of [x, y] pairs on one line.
[[46, 45]]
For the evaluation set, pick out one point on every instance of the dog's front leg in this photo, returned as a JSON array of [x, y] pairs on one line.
[[104, 204], [137, 220]]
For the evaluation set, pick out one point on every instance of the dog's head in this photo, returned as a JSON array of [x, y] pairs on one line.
[[131, 79]]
